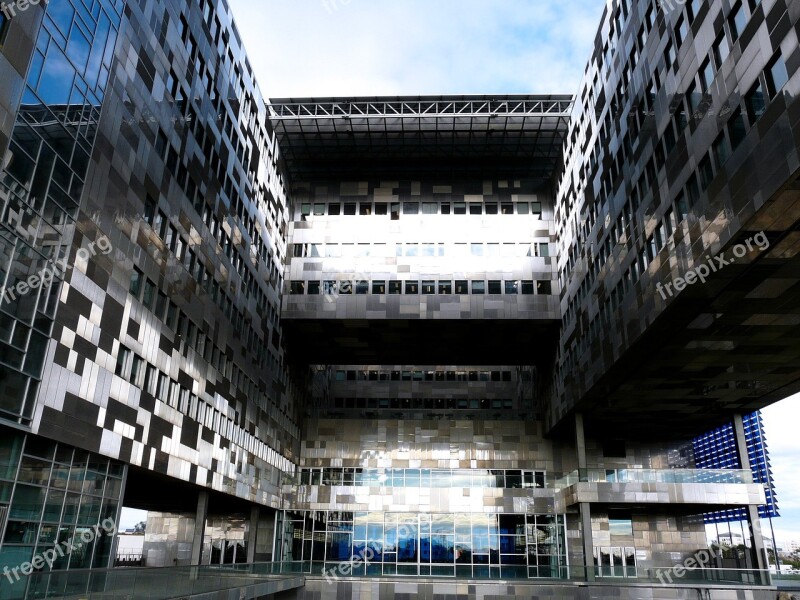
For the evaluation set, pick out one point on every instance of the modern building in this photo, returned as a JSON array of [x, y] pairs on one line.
[[407, 342], [717, 450]]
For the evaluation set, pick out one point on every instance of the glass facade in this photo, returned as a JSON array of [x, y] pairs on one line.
[[423, 478], [41, 188], [465, 545], [53, 496]]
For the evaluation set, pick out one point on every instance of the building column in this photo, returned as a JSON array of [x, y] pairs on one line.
[[199, 527], [753, 520], [585, 507], [252, 534]]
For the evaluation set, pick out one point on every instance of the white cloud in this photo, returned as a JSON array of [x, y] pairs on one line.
[[417, 47], [781, 422]]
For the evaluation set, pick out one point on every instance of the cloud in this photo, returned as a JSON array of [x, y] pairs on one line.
[[417, 47], [780, 427]]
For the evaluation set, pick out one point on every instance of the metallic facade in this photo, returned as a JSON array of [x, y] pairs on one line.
[[427, 328]]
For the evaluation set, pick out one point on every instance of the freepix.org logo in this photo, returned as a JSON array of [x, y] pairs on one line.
[[45, 276], [61, 550], [10, 10]]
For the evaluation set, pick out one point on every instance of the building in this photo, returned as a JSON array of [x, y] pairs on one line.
[[459, 337], [717, 450]]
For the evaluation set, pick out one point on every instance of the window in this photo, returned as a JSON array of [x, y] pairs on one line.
[[395, 287], [334, 210], [362, 287], [135, 287], [430, 208], [544, 288], [669, 54], [475, 208], [462, 287], [445, 287], [737, 20], [776, 75], [410, 208], [512, 287], [365, 208], [755, 102], [721, 50], [736, 128], [319, 210], [122, 361], [479, 287], [721, 149], [313, 288], [706, 75], [381, 208], [428, 287], [379, 287], [349, 208], [706, 172], [681, 30], [620, 522], [527, 288], [495, 288], [412, 287]]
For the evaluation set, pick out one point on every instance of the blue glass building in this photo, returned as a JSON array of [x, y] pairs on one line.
[[717, 450]]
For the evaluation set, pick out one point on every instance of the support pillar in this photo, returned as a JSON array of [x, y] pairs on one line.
[[252, 534], [753, 520], [199, 527], [584, 507]]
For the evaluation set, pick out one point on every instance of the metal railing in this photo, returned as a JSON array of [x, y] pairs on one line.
[[135, 583], [654, 476]]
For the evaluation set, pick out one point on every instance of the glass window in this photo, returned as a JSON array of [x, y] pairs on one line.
[[706, 171], [410, 208], [381, 208], [135, 287], [314, 288], [620, 523], [445, 287], [736, 128], [495, 287], [527, 288], [349, 208], [412, 287], [544, 288], [737, 20], [478, 287], [512, 287], [395, 287], [755, 102], [706, 75], [721, 50], [379, 287], [523, 208], [365, 208], [475, 208], [459, 208], [297, 287], [776, 75], [462, 287], [334, 210], [430, 208], [362, 287], [721, 149], [428, 287], [319, 210]]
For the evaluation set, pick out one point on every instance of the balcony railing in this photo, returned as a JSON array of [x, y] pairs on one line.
[[654, 476]]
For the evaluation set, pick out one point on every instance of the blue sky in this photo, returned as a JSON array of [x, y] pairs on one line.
[[386, 47]]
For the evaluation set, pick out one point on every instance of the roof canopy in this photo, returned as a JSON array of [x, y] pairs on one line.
[[417, 137]]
